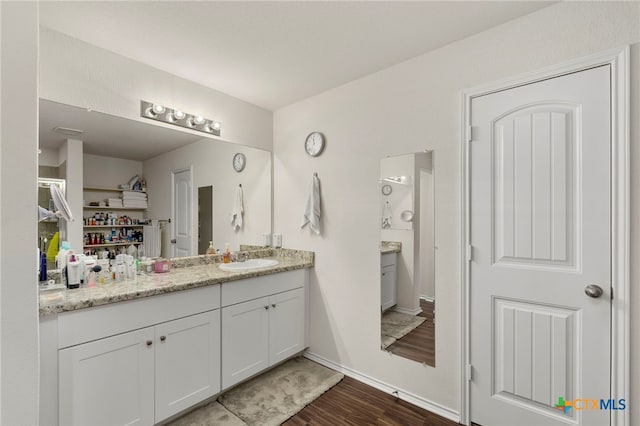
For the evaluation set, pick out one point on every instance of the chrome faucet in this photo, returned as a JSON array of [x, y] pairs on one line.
[[239, 256]]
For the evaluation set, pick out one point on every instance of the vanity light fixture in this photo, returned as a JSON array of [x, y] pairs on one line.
[[177, 117]]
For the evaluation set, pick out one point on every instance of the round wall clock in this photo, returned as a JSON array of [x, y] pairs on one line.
[[314, 144], [386, 189], [239, 162]]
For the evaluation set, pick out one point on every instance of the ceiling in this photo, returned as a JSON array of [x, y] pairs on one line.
[[108, 135], [273, 54]]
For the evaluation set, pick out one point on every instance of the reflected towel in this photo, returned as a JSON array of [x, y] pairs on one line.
[[386, 216], [312, 208], [237, 211]]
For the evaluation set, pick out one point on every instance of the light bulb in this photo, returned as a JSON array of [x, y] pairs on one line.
[[179, 115], [158, 109], [194, 121], [216, 125]]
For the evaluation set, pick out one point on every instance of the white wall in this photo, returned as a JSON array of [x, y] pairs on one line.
[[108, 172], [425, 255], [77, 73], [18, 213], [48, 157], [71, 153], [212, 165], [406, 108]]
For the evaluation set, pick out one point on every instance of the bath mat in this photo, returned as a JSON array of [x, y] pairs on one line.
[[273, 397], [212, 414], [397, 325], [387, 341]]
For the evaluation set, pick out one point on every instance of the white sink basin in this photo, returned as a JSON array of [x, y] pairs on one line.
[[248, 265]]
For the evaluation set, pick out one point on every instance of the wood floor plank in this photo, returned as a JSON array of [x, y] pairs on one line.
[[420, 344], [353, 403]]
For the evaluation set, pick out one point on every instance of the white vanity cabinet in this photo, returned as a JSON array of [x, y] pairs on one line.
[[113, 372], [149, 374], [388, 281], [260, 332], [144, 360], [134, 362], [187, 362]]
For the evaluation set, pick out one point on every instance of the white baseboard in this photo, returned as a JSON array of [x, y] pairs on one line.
[[409, 397], [407, 311], [428, 298]]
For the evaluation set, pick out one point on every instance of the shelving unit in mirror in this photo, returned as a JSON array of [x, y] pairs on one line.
[[104, 227]]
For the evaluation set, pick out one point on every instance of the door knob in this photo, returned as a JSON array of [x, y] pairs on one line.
[[593, 290], [173, 241]]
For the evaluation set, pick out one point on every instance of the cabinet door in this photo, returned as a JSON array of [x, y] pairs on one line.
[[286, 325], [187, 362], [388, 293], [109, 381], [245, 349]]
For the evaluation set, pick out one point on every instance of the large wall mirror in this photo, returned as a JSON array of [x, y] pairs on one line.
[[407, 256], [104, 157]]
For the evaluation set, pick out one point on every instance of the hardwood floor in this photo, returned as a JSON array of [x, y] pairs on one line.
[[420, 344], [352, 403]]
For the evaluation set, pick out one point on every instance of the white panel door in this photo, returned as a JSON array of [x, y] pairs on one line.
[[540, 231], [108, 381], [286, 325], [245, 340], [187, 362], [182, 214]]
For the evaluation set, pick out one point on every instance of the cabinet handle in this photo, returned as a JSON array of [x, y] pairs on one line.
[[163, 338], [266, 307], [149, 342], [273, 305]]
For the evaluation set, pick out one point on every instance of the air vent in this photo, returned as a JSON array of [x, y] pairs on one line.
[[67, 131]]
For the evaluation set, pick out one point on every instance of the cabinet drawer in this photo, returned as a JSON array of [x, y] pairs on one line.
[[388, 259], [89, 324], [254, 288]]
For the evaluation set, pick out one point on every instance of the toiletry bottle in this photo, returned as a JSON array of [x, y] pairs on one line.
[[211, 250], [120, 268], [226, 257], [61, 260], [43, 266]]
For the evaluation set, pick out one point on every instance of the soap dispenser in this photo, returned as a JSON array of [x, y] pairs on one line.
[[211, 249], [226, 257]]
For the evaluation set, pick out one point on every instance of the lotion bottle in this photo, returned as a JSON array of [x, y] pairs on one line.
[[226, 258]]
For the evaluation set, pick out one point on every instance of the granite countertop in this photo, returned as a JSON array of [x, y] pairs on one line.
[[187, 273], [387, 247]]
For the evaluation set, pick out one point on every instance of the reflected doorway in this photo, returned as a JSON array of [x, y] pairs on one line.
[[205, 218]]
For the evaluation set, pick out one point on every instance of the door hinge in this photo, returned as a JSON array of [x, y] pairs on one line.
[[469, 253], [471, 133], [469, 373], [611, 293]]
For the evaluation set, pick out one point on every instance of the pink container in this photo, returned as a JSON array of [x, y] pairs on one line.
[[162, 266]]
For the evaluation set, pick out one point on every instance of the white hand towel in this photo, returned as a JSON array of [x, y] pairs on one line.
[[312, 210], [237, 211], [386, 216]]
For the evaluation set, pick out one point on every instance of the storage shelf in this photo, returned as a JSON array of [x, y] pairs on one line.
[[111, 226], [113, 244], [112, 189], [114, 208]]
